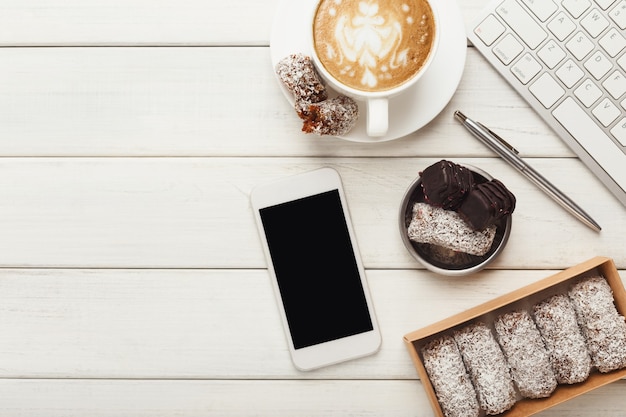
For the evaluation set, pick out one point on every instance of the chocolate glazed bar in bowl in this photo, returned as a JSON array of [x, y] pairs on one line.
[[455, 219]]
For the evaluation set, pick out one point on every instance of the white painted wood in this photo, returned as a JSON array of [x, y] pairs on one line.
[[211, 398], [131, 277], [195, 212], [143, 22], [134, 22], [110, 398], [204, 324], [214, 101]]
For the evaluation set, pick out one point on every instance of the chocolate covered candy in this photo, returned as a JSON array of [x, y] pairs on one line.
[[446, 184], [486, 204]]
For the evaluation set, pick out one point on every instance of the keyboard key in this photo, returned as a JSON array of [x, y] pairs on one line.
[[560, 60], [604, 4], [522, 23], [613, 42], [580, 45], [619, 132], [562, 26], [576, 7], [570, 73], [591, 137], [546, 90], [618, 14], [622, 62], [606, 112], [543, 9], [588, 93], [489, 30], [594, 23], [526, 68], [508, 49], [615, 84], [598, 65], [551, 54]]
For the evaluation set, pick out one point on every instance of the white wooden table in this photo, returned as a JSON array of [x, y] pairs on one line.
[[132, 281]]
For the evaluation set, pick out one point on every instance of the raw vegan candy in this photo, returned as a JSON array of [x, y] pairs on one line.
[[449, 377], [604, 328], [487, 367], [556, 320], [526, 354]]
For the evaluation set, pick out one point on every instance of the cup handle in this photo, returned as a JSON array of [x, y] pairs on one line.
[[377, 117]]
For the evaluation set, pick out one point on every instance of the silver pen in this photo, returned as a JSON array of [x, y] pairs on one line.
[[509, 154]]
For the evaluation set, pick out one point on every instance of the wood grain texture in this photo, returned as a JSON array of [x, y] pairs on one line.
[[215, 102], [135, 22], [143, 22], [100, 398], [132, 280], [195, 212], [205, 324]]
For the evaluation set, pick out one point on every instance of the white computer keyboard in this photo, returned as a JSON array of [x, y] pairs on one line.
[[567, 58]]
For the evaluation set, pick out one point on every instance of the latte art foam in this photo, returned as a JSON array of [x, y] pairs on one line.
[[373, 45]]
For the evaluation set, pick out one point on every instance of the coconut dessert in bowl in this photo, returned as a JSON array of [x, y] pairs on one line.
[[455, 219]]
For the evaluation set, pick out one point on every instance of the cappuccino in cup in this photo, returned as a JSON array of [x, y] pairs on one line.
[[372, 50], [373, 45]]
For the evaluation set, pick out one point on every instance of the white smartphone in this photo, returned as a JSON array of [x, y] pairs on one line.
[[318, 277]]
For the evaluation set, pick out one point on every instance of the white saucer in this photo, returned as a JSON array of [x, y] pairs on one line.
[[409, 111]]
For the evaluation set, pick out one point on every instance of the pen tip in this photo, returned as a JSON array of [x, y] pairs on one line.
[[460, 116]]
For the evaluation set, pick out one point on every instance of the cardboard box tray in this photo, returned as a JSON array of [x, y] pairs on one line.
[[523, 298]]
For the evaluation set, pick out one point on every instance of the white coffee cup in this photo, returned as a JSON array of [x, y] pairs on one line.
[[372, 50]]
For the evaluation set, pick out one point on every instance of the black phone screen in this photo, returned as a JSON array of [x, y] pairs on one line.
[[315, 266]]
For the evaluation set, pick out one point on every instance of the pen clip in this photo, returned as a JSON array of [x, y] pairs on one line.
[[500, 139]]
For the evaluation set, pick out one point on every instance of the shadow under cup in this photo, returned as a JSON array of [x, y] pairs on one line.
[[372, 50]]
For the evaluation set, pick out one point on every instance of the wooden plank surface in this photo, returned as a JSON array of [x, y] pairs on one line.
[[205, 324], [143, 22], [215, 102], [212, 324], [134, 22], [132, 280], [109, 398], [195, 212]]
